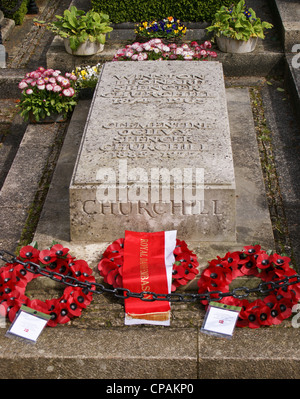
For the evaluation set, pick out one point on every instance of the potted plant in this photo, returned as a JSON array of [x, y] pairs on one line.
[[168, 29], [84, 33], [87, 79], [237, 28], [47, 96]]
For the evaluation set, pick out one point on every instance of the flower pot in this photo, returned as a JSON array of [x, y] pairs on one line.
[[85, 49], [86, 93], [228, 45], [53, 118]]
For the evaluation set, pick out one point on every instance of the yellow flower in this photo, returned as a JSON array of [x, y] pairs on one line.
[[176, 31], [145, 24]]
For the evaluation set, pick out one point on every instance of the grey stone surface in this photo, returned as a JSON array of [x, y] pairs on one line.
[[289, 16], [146, 120]]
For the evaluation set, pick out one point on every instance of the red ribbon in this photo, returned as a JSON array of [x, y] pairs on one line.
[[144, 269]]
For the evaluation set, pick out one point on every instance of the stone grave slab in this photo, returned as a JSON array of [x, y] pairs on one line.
[[155, 154]]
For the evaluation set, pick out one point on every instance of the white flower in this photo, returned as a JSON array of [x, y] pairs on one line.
[[29, 91]]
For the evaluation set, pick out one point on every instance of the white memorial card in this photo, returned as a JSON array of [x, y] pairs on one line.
[[220, 319], [28, 324]]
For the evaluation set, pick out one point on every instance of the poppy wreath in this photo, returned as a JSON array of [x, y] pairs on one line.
[[184, 267], [253, 261], [14, 279]]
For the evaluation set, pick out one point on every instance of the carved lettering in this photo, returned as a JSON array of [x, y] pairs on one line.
[[152, 210]]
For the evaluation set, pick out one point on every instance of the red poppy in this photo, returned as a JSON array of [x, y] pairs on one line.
[[80, 269], [59, 250], [263, 261], [252, 249], [46, 256], [29, 253], [282, 261]]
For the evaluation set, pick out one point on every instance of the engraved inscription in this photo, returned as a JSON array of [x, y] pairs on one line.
[[151, 88], [159, 140]]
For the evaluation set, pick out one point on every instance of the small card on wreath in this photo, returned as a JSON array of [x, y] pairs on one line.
[[28, 324], [220, 319]]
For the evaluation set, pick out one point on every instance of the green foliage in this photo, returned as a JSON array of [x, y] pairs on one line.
[[79, 26], [19, 15], [147, 10], [238, 22]]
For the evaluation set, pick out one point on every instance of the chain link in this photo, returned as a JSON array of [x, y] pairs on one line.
[[123, 293]]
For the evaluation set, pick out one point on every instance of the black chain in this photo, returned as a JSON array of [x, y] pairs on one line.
[[123, 293]]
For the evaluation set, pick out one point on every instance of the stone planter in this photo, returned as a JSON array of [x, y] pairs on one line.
[[85, 49], [228, 45]]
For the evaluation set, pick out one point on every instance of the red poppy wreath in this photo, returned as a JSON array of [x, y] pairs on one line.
[[253, 261], [184, 268], [14, 279]]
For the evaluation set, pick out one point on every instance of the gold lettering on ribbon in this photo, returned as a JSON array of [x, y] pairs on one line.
[[144, 271]]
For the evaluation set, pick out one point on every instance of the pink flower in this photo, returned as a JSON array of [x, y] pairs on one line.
[[68, 92], [49, 87], [35, 75], [207, 44], [56, 73], [40, 82], [52, 80], [29, 91], [213, 54], [23, 85], [135, 45], [41, 87], [65, 83], [57, 88], [134, 57]]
